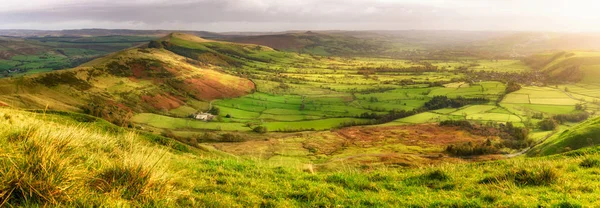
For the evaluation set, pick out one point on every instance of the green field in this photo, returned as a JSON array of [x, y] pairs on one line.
[[42, 54]]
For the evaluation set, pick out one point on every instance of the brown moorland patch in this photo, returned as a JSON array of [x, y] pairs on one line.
[[162, 102]]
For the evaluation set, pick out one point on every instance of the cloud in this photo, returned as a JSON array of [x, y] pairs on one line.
[[272, 15]]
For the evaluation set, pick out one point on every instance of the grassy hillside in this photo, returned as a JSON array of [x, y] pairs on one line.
[[582, 135], [326, 44], [73, 160], [572, 66], [120, 84]]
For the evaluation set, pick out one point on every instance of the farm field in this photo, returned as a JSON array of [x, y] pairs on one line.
[[43, 54], [544, 100], [299, 92]]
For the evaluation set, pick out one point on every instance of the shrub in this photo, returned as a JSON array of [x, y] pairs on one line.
[[538, 116], [439, 102], [548, 124], [260, 129], [460, 123], [573, 117], [471, 149], [214, 110], [512, 87], [229, 137], [155, 44]]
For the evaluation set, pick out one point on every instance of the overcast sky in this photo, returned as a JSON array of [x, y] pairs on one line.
[[279, 15]]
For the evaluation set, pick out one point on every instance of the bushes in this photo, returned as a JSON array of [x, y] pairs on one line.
[[439, 102], [548, 124], [573, 117], [512, 87], [68, 78], [460, 123], [260, 129], [472, 149], [229, 137], [512, 137], [155, 44], [214, 110], [515, 137]]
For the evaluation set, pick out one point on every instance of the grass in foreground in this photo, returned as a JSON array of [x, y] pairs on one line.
[[55, 160]]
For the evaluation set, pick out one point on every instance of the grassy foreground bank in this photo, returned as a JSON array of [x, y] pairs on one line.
[[76, 160]]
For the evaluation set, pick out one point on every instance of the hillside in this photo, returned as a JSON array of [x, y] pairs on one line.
[[579, 136], [86, 161], [131, 81], [571, 66], [324, 44]]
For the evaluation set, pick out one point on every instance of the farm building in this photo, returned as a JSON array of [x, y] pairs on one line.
[[203, 116]]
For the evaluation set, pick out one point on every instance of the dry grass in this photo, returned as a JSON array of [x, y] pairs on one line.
[[44, 162]]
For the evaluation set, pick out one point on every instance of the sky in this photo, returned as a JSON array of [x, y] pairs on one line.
[[281, 15]]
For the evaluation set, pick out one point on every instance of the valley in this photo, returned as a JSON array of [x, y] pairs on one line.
[[276, 121]]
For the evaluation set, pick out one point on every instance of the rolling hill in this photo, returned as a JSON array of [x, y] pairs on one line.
[[134, 80], [318, 43], [571, 66], [580, 136]]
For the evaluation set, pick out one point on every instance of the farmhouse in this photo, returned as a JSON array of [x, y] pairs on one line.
[[203, 116]]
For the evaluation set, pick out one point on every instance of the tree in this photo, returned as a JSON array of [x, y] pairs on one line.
[[580, 107], [155, 44], [511, 87], [214, 110], [548, 124], [260, 129]]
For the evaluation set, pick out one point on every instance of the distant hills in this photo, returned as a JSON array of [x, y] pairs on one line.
[[101, 32], [443, 44]]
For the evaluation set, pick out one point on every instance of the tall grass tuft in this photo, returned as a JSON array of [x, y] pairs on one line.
[[539, 176], [36, 170], [46, 163], [590, 163]]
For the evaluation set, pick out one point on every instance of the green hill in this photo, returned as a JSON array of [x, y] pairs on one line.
[[582, 135], [131, 81], [576, 66]]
